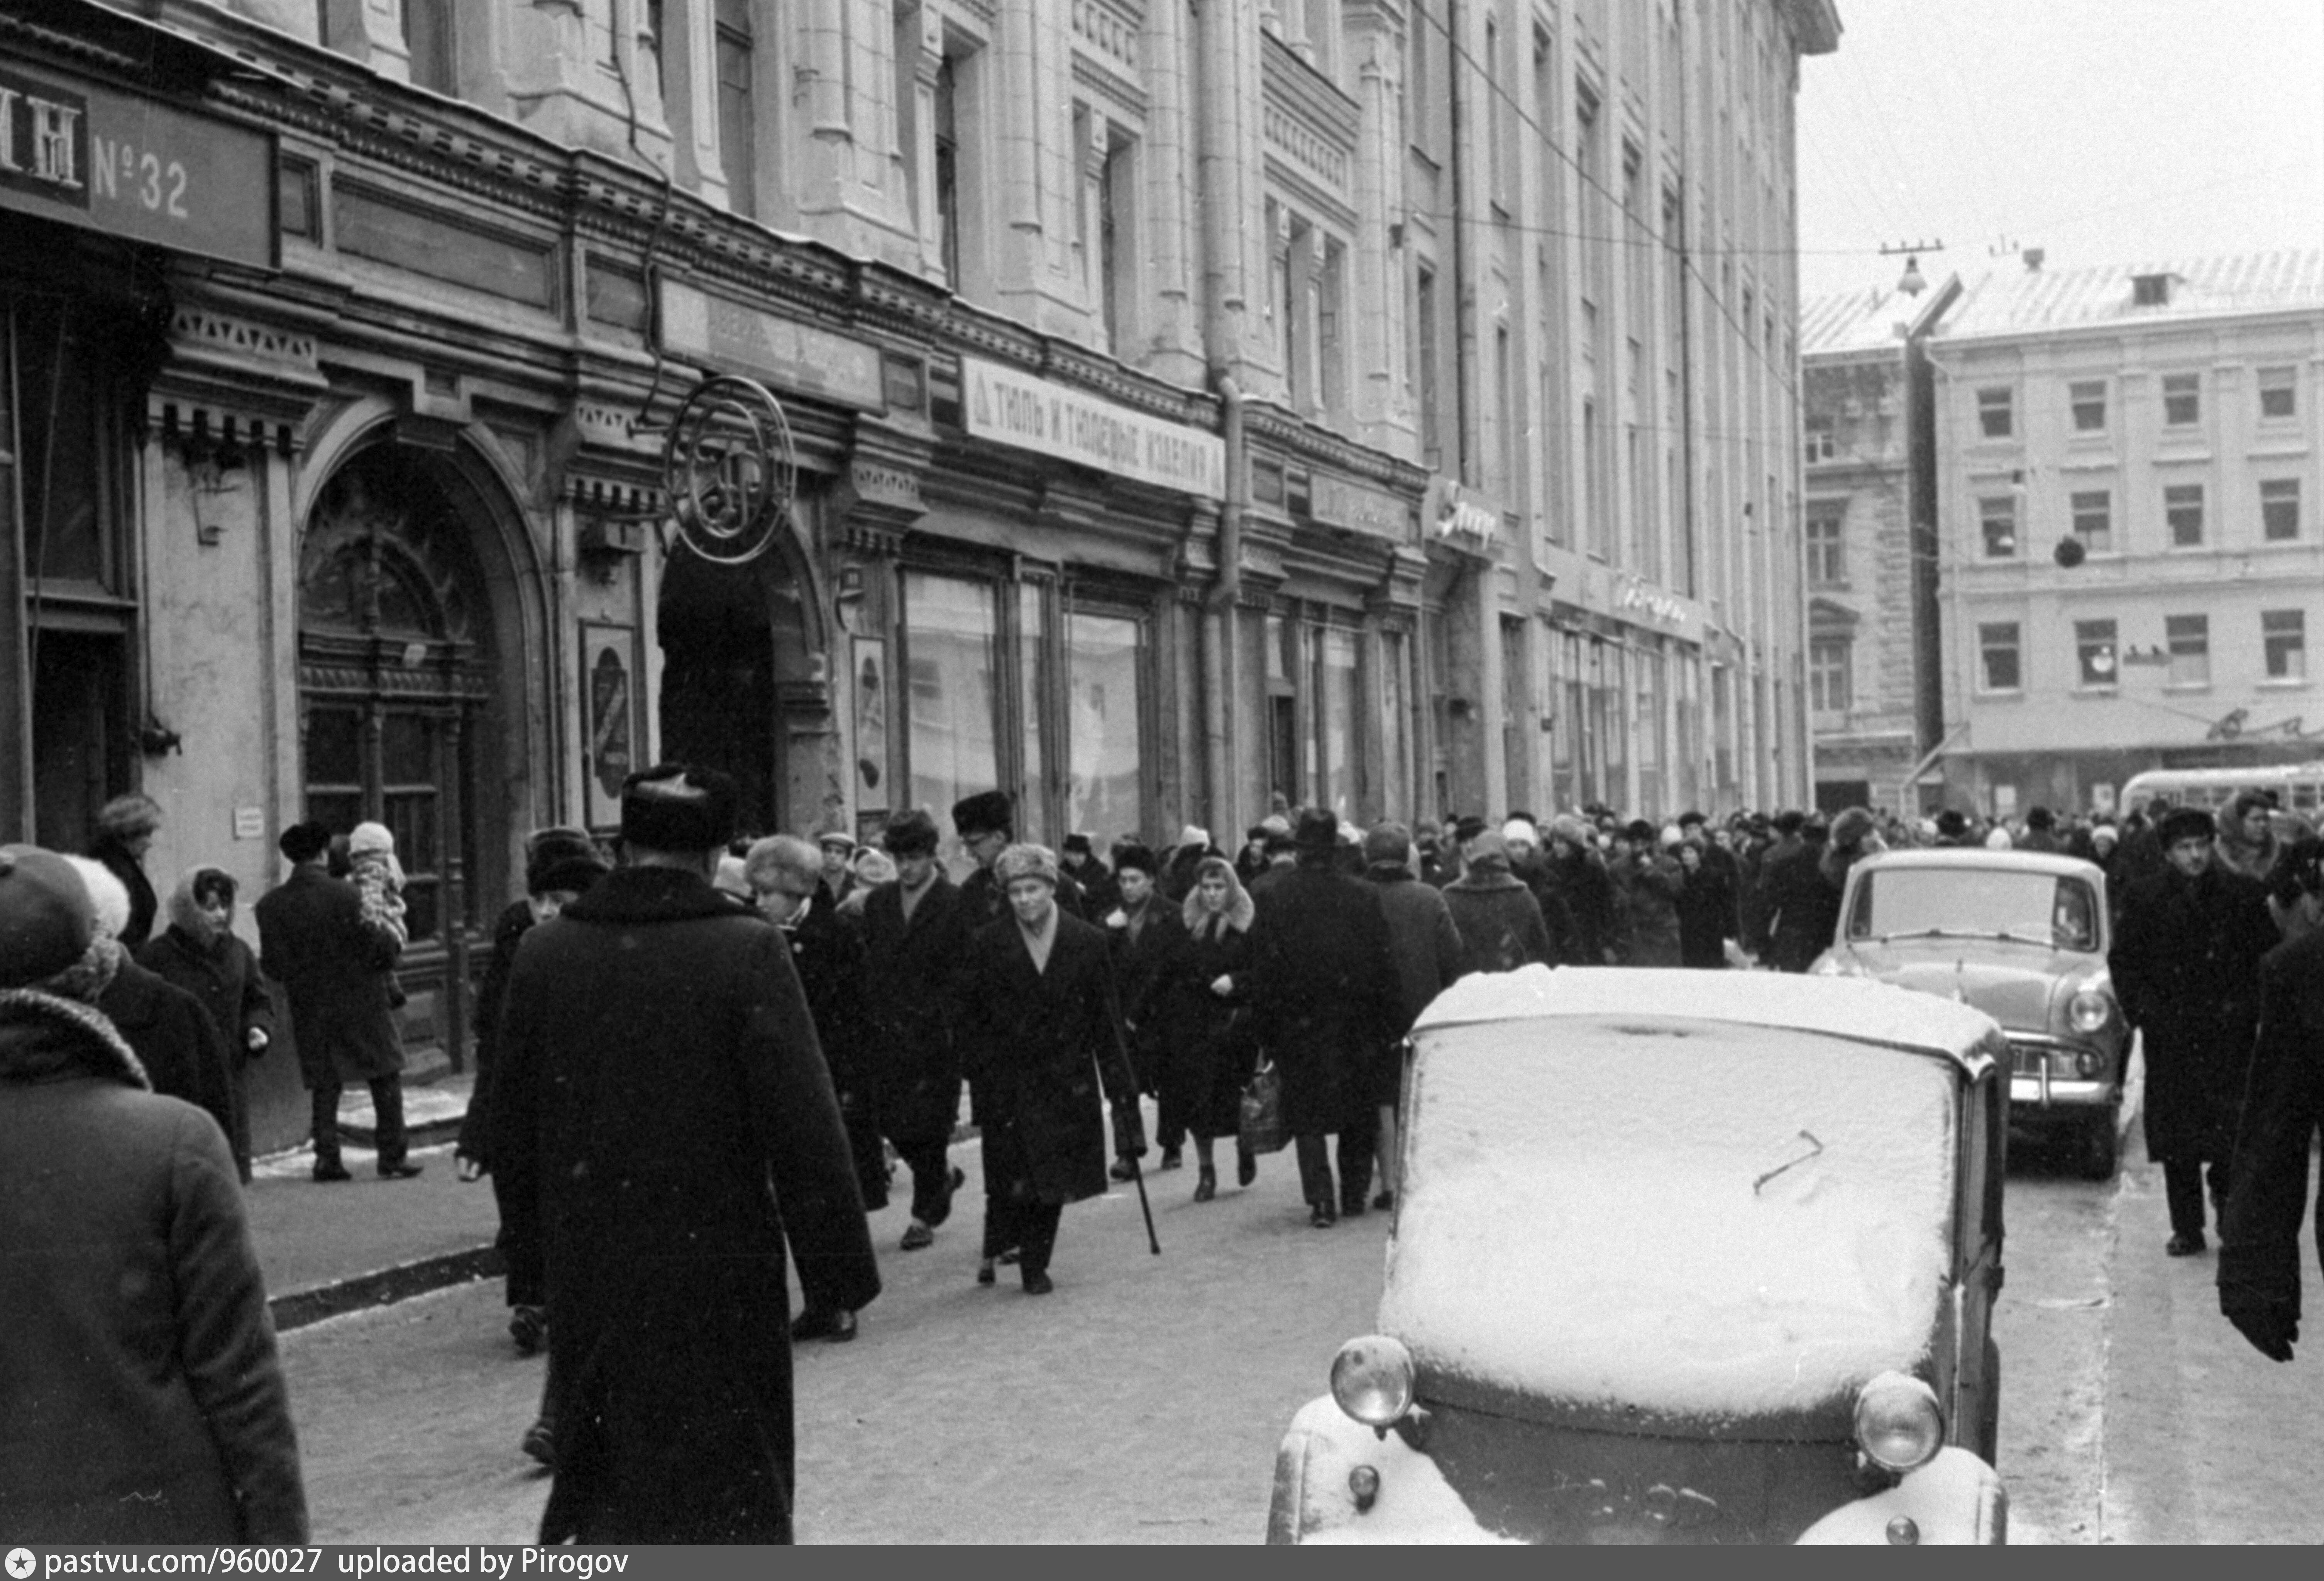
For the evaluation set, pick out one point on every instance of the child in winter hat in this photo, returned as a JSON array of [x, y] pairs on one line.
[[378, 877]]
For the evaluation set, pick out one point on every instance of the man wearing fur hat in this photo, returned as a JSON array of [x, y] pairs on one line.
[[142, 1398], [686, 1130], [986, 823], [1079, 862], [916, 931], [338, 977], [2186, 971], [1041, 1037]]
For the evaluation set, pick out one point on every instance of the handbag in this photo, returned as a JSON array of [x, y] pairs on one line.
[[1261, 1128]]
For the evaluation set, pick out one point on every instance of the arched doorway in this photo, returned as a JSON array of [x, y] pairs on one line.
[[399, 719]]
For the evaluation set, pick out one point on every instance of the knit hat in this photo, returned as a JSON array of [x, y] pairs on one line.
[[1134, 856], [46, 917], [561, 859], [366, 838], [1489, 850], [1388, 842], [303, 842], [910, 833], [671, 807], [1520, 831], [1275, 823], [2105, 837], [1467, 828], [988, 812], [1026, 861]]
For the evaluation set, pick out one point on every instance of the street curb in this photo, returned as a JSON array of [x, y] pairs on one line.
[[387, 1286]]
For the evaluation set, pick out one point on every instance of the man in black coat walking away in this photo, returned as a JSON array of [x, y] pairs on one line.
[[337, 973], [1042, 1042], [2283, 1110], [1324, 1001], [916, 931], [2186, 971], [686, 1130]]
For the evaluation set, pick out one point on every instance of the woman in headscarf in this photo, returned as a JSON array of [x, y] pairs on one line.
[[199, 953], [1196, 1007]]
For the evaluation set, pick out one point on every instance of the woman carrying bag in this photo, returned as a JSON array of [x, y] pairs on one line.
[[1196, 1009]]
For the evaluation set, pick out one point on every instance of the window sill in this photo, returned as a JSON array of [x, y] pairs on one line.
[[2096, 689], [2282, 683], [2014, 695], [2185, 689]]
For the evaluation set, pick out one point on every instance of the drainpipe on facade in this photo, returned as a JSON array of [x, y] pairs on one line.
[[1464, 316], [1220, 671]]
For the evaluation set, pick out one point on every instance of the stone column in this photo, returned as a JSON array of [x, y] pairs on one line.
[[1378, 390]]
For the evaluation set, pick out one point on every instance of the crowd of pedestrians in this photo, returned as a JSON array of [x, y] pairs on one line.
[[699, 1067]]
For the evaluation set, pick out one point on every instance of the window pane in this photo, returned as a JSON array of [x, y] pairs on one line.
[[2284, 634], [2182, 401], [950, 633], [2182, 508], [1993, 414], [1826, 550], [334, 748], [1997, 648], [405, 754], [2276, 392], [2093, 513], [2190, 638], [2279, 509], [1335, 710], [1395, 701], [1997, 521], [2090, 405], [62, 422], [2094, 651], [1105, 662]]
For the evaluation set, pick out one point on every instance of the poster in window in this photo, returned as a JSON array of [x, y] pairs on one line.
[[870, 667], [610, 719]]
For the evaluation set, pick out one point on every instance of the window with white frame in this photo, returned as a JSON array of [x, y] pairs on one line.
[[1997, 413], [2182, 400], [1823, 440], [2182, 512], [1830, 688], [2279, 394], [1827, 545], [2094, 652], [2000, 666], [2087, 401], [2284, 644], [2188, 639], [2093, 517], [2279, 509], [1997, 521]]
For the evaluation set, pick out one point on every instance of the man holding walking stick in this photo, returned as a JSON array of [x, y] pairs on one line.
[[1041, 1033]]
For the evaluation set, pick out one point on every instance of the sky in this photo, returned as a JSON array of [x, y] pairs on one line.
[[2103, 131]]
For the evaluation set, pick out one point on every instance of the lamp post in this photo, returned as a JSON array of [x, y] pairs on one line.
[[1922, 504]]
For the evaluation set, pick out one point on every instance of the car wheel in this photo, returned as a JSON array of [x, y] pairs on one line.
[[2101, 1147]]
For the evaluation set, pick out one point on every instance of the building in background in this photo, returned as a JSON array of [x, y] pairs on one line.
[[2129, 555], [1386, 407]]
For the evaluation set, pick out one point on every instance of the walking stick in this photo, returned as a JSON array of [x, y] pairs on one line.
[[1144, 1207]]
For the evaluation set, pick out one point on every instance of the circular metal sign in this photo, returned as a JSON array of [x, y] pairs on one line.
[[728, 468]]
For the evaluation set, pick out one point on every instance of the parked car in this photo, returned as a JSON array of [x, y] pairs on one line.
[[2023, 938], [1678, 1257]]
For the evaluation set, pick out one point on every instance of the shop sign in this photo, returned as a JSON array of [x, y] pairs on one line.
[[723, 333], [1015, 408], [1334, 502], [1639, 599], [84, 155], [1464, 517]]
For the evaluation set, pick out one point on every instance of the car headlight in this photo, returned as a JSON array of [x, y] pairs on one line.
[[1835, 964], [1897, 1421], [2090, 1009], [1371, 1380]]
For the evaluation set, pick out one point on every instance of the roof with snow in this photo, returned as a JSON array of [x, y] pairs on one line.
[[1856, 321], [2018, 301]]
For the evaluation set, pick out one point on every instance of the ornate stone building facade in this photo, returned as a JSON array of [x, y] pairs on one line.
[[1380, 403]]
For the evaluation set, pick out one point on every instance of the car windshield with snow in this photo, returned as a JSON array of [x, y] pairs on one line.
[[1676, 1260], [2022, 936]]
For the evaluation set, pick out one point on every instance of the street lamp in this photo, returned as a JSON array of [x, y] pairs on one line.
[[1912, 284]]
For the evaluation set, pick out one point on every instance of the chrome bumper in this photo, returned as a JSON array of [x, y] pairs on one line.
[[2035, 1084]]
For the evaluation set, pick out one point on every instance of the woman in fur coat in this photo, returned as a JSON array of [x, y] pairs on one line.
[[199, 953], [1196, 1007]]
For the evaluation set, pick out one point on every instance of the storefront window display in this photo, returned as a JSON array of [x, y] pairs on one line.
[[952, 646], [1105, 664], [1033, 685], [1396, 724], [1335, 722]]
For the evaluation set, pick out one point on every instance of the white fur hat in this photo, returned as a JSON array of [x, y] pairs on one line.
[[367, 837], [108, 897]]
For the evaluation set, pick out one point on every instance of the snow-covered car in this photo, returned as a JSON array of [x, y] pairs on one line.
[[1678, 1257], [2022, 936]]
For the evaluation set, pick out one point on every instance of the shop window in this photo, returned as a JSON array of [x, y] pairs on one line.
[[1337, 739], [1034, 687], [2189, 638], [952, 650], [1396, 724], [1105, 664]]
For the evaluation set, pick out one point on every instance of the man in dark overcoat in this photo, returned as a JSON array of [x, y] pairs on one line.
[[1041, 1041], [915, 932], [2185, 964], [685, 1128], [1324, 1001], [1799, 903], [2283, 1110], [1144, 932], [338, 978]]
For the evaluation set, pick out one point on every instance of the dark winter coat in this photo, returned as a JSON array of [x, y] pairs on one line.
[[492, 996], [1706, 916], [1100, 893], [175, 1040], [2282, 1111], [1646, 895], [1324, 994], [1565, 942], [1498, 919], [827, 953], [1137, 961], [144, 905], [1205, 1038], [912, 981], [1579, 878], [2185, 965], [1759, 865], [222, 974], [1422, 933], [140, 1398], [687, 1128], [336, 973], [1802, 907], [1043, 1052]]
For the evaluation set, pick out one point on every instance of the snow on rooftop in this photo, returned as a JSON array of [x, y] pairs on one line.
[[1636, 1207], [2017, 302]]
